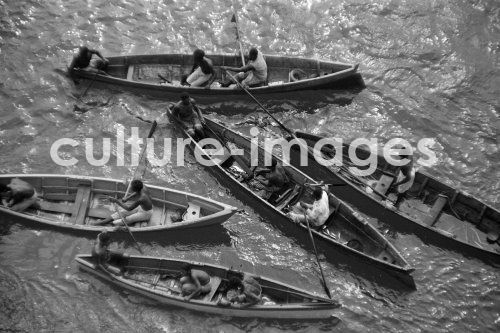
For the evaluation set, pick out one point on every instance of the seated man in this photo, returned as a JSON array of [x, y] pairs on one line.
[[195, 282], [139, 210], [202, 72], [18, 195], [242, 293], [189, 115], [271, 183], [82, 60], [253, 74], [404, 181], [316, 214]]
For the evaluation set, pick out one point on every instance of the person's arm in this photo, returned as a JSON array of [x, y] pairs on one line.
[[198, 287], [100, 55], [245, 68], [407, 177], [198, 111], [130, 207], [305, 205], [72, 65]]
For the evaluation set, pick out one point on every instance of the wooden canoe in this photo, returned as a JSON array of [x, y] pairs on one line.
[[139, 73], [157, 278], [435, 212], [71, 202], [345, 231]]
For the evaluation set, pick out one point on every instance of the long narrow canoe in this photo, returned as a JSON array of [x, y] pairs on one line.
[[72, 202], [141, 74], [344, 232], [158, 278], [435, 212]]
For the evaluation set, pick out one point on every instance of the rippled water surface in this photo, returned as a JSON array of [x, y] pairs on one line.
[[431, 69]]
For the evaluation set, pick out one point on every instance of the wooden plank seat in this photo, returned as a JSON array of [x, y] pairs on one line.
[[81, 206], [68, 208], [192, 212]]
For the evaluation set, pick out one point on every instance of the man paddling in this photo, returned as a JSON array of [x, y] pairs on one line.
[[253, 74], [106, 257], [18, 195], [82, 60], [140, 208], [316, 213], [404, 181]]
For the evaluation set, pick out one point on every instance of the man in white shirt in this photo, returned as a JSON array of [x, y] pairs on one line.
[[316, 213]]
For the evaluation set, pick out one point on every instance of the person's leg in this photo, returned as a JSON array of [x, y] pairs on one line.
[[201, 80], [137, 215], [194, 76], [23, 205], [112, 217]]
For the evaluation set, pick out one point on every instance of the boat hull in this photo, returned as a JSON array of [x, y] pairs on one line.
[[372, 205], [66, 216], [321, 308], [139, 74]]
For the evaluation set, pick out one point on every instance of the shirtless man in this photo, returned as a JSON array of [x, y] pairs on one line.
[[18, 195], [105, 257], [195, 282], [140, 208], [189, 115], [82, 60], [253, 74]]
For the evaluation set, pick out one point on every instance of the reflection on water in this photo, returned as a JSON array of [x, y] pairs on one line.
[[431, 70]]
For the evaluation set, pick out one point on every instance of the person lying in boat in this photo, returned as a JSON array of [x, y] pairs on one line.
[[195, 282], [271, 180], [18, 195], [253, 74], [242, 293], [202, 73], [140, 208], [189, 115], [404, 181], [316, 213], [83, 60]]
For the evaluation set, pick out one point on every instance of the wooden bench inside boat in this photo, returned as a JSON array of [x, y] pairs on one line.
[[68, 208]]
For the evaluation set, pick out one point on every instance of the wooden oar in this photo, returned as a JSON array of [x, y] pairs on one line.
[[88, 87], [233, 19], [317, 258], [295, 137], [127, 227], [151, 131]]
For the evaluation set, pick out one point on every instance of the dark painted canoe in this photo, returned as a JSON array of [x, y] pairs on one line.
[[157, 278], [462, 224], [139, 73], [70, 202], [345, 227]]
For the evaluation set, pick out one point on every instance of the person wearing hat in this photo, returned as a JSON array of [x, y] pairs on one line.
[[253, 74], [189, 115], [202, 73], [82, 60]]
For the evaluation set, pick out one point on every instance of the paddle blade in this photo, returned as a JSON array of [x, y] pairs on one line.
[[233, 19]]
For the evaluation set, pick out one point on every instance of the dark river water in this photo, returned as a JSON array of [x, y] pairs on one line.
[[431, 69]]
